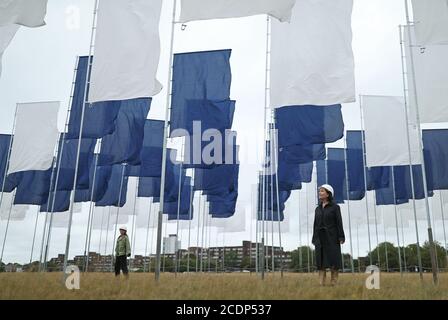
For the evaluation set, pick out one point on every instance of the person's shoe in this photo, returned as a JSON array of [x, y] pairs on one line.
[[322, 277], [334, 277]]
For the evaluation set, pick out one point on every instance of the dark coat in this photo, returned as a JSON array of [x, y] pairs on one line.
[[328, 233]]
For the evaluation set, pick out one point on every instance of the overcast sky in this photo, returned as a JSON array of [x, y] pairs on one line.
[[38, 66]]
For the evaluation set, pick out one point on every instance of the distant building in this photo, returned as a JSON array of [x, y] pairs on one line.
[[171, 244]]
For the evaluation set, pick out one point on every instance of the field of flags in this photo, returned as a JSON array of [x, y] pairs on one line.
[[114, 158]]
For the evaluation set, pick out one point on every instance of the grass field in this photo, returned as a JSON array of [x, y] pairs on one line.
[[218, 287]]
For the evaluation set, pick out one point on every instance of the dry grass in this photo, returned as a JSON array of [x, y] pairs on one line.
[[218, 287]]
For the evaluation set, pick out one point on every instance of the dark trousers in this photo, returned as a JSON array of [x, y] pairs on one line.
[[121, 263]]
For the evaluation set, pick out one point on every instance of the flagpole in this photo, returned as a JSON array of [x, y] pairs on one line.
[[91, 216], [204, 222], [8, 157], [197, 237], [419, 257], [34, 235], [152, 240], [123, 169], [385, 240], [190, 215], [178, 214], [348, 205], [72, 195], [134, 229], [147, 236], [271, 180], [420, 143], [101, 231], [307, 230], [164, 153], [365, 178], [275, 152], [209, 240], [396, 221], [300, 233], [107, 231], [403, 242], [443, 222], [7, 227]]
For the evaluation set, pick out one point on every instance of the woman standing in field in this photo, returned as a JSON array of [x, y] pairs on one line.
[[328, 235], [122, 251]]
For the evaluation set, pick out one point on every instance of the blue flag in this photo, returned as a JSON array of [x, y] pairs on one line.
[[198, 76], [33, 188], [125, 144], [61, 202], [112, 196], [305, 125], [68, 149], [216, 181], [99, 118], [435, 144]]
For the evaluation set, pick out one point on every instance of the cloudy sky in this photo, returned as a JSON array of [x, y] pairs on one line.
[[38, 66]]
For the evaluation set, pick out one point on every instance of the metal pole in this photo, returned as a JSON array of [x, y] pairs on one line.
[[357, 245], [164, 154], [189, 224], [403, 241], [376, 230], [300, 235], [147, 236], [152, 239], [420, 142], [8, 157], [365, 178], [7, 227], [197, 237], [34, 235], [348, 206], [443, 223], [266, 106], [72, 197], [385, 241], [396, 222], [307, 230], [176, 249], [107, 231], [134, 229], [204, 221], [101, 231], [90, 219], [419, 256], [123, 169]]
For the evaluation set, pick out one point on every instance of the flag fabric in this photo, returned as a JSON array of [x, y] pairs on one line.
[[127, 50], [307, 125], [192, 10], [67, 155], [216, 181], [431, 21], [7, 33], [232, 224], [199, 76], [14, 213], [385, 137], [61, 202], [112, 196], [302, 154], [33, 187], [431, 75], [5, 144], [29, 13], [149, 187], [35, 136], [152, 151], [102, 177], [99, 118], [435, 144], [125, 144], [312, 60], [172, 208]]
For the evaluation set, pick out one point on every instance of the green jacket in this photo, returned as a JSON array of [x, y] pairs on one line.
[[123, 247]]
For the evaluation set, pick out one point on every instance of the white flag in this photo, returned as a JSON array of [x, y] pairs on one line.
[[236, 223], [431, 77], [127, 50], [192, 10], [29, 13], [385, 132], [431, 21], [130, 207], [35, 136], [14, 213], [7, 33], [312, 59]]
